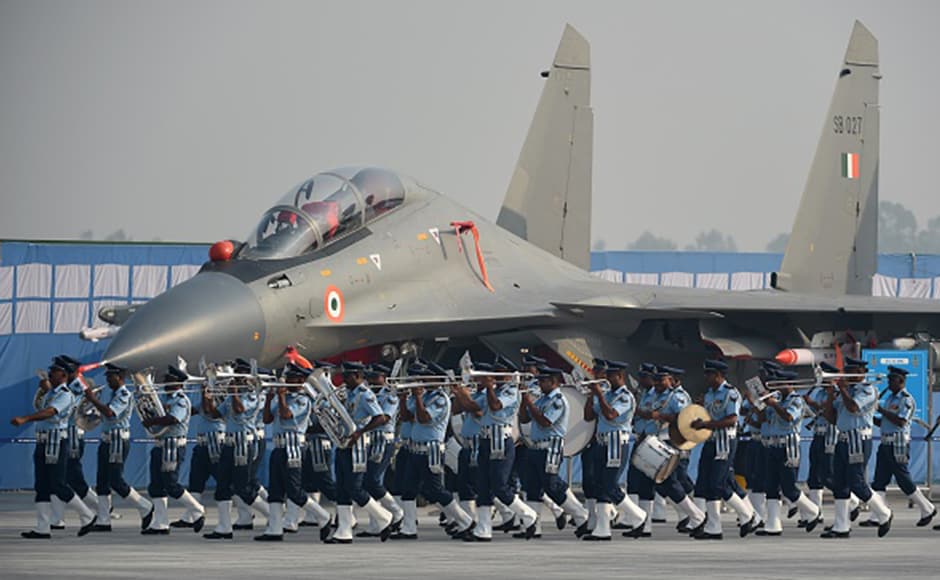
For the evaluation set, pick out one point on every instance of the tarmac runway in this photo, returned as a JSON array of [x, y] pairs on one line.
[[907, 552]]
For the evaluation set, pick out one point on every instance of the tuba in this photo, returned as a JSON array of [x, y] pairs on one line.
[[87, 416], [329, 409], [147, 403]]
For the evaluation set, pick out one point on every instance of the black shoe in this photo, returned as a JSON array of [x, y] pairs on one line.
[[621, 526], [289, 531], [637, 532], [593, 538], [792, 512], [154, 532], [366, 535], [868, 524], [763, 532], [145, 521], [703, 535], [101, 528], [396, 525], [305, 524], [760, 525], [683, 526], [582, 530], [242, 527], [697, 529], [925, 521], [182, 524], [884, 528], [562, 521], [326, 530], [197, 525], [462, 534], [530, 531], [442, 519], [829, 535], [471, 537], [82, 531], [659, 521], [937, 527], [401, 536], [218, 536], [338, 541], [57, 527], [522, 536], [801, 524], [33, 535], [451, 529], [386, 533], [508, 526], [853, 515], [811, 524], [269, 538], [748, 527]]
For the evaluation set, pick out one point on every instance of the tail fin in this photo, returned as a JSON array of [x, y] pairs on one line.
[[833, 247], [548, 201]]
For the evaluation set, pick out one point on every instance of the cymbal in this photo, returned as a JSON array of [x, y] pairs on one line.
[[684, 423]]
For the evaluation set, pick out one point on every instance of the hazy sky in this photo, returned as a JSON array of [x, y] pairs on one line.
[[184, 121]]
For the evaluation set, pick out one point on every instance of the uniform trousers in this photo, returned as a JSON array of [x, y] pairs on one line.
[[886, 466], [75, 471], [314, 480], [849, 477], [493, 475], [780, 478], [50, 478], [110, 476], [374, 481], [284, 480], [756, 467], [234, 479], [466, 476], [422, 481], [715, 476], [539, 482], [588, 485], [820, 464], [165, 483], [607, 479], [200, 469], [349, 484]]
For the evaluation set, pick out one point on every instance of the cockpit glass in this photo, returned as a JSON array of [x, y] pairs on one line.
[[323, 209]]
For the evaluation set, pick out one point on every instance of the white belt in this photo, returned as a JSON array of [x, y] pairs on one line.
[[604, 438], [280, 439], [487, 432], [865, 434], [541, 445], [389, 437], [892, 437], [422, 447], [177, 441], [820, 429], [230, 437], [775, 441], [124, 433], [43, 436]]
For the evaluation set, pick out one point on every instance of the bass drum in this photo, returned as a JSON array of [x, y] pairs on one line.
[[580, 432]]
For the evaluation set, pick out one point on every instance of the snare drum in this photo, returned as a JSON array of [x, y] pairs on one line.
[[655, 458]]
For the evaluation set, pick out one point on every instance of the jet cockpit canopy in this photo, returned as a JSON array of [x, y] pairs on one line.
[[323, 209]]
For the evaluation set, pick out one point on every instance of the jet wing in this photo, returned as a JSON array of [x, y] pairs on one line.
[[614, 312]]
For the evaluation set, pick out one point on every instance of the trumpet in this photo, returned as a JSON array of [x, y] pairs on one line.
[[584, 387]]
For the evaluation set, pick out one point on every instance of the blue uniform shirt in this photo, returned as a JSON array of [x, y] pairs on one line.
[[388, 402], [902, 405], [437, 404], [622, 401], [472, 424], [649, 402], [62, 400], [300, 407], [203, 423], [723, 402], [777, 426], [362, 405], [120, 402], [508, 395], [679, 400], [555, 408], [77, 388], [240, 422], [177, 405], [866, 397], [818, 395]]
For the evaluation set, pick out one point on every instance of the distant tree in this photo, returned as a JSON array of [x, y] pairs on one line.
[[778, 245], [713, 241], [117, 236], [928, 240], [897, 228], [87, 235], [600, 245], [648, 241]]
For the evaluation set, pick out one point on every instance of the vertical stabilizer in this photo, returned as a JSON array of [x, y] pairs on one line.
[[833, 246], [548, 201]]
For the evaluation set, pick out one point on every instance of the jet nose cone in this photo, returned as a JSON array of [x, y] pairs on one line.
[[212, 315]]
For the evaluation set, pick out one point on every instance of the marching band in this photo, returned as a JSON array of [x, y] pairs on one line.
[[391, 435]]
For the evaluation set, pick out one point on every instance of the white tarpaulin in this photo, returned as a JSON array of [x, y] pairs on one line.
[[884, 285], [149, 281], [32, 316], [716, 281], [915, 288], [936, 288], [33, 281], [680, 279], [6, 282], [647, 279], [68, 317], [111, 279], [72, 281], [6, 318], [179, 274], [609, 275], [747, 280]]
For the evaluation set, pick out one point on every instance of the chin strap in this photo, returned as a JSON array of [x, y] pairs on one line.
[[298, 359], [460, 228]]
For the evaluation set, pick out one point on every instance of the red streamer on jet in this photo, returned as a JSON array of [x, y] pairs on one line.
[[460, 228]]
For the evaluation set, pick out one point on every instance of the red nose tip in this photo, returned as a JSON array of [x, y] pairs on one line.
[[221, 251]]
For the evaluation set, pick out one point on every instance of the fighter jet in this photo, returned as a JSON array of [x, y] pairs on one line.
[[362, 256]]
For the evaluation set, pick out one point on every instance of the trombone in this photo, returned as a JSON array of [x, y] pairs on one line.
[[824, 379]]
